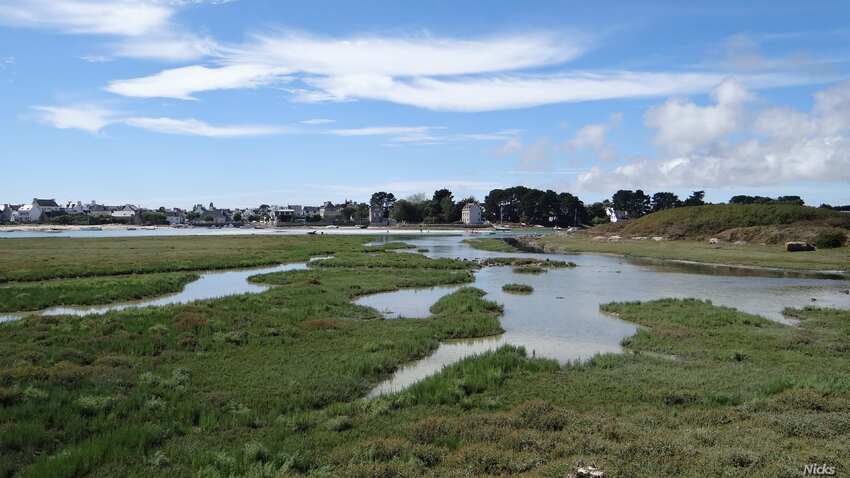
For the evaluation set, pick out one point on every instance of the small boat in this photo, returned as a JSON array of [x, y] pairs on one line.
[[363, 226], [91, 228], [131, 228], [502, 228], [331, 226], [312, 233]]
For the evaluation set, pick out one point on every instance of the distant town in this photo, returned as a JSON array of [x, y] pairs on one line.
[[519, 204]]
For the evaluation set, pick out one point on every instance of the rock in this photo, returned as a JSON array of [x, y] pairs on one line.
[[589, 472], [657, 238], [814, 300], [639, 238], [799, 247], [614, 238], [599, 238], [714, 240], [846, 291], [740, 243]]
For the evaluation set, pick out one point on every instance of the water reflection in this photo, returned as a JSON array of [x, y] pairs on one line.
[[407, 303]]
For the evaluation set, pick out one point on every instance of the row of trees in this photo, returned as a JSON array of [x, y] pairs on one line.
[[547, 208], [533, 206], [439, 208]]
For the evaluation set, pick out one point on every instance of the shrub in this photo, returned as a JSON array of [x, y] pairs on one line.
[[830, 239], [93, 404]]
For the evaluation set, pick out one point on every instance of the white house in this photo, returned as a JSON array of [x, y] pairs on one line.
[[42, 207], [471, 214], [22, 214], [615, 215], [7, 211], [329, 212], [127, 213]]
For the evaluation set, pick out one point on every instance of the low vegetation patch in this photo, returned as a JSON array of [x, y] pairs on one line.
[[525, 261], [529, 269], [514, 288], [700, 222], [90, 291], [830, 239], [489, 244]]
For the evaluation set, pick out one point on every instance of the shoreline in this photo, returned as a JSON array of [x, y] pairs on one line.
[[836, 274]]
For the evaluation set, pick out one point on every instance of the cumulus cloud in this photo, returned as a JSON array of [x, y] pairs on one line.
[[84, 117], [780, 145], [683, 126], [594, 137]]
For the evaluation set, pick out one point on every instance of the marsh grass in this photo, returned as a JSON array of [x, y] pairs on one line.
[[529, 269], [271, 384], [515, 288], [90, 291], [179, 390], [492, 245]]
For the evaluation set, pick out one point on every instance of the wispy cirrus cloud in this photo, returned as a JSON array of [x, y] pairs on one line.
[[194, 127], [116, 17], [315, 121], [182, 83], [93, 118]]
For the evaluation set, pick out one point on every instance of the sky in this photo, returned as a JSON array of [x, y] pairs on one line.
[[242, 102]]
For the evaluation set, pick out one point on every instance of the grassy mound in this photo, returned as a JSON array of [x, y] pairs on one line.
[[753, 222], [514, 288]]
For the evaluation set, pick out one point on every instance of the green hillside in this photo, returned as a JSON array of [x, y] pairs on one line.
[[762, 222]]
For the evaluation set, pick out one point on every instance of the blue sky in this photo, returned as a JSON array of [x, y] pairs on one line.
[[172, 102]]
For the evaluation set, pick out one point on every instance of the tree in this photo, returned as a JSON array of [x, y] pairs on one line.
[[791, 200], [634, 203], [151, 218], [596, 213], [695, 199], [442, 206], [406, 211], [665, 200], [237, 217], [383, 201], [361, 212]]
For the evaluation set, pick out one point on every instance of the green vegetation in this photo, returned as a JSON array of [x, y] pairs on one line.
[[701, 251], [750, 222], [493, 245], [830, 239], [529, 270], [707, 391], [272, 384], [57, 257], [90, 291], [514, 288], [222, 386], [526, 261]]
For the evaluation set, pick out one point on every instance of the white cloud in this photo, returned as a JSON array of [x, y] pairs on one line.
[[382, 130], [167, 46], [195, 127], [788, 146], [684, 126], [521, 91], [406, 56], [180, 83], [316, 121], [115, 17], [84, 117], [594, 137]]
